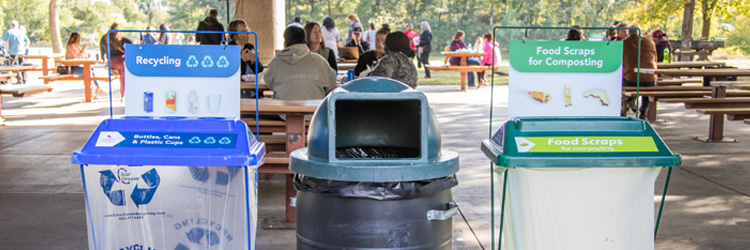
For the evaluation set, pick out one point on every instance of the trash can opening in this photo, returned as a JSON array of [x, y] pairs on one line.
[[383, 129]]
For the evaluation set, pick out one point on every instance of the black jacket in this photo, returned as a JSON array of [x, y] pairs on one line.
[[209, 24], [425, 41], [369, 58]]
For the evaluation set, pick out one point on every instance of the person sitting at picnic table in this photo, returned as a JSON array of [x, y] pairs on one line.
[[296, 73], [316, 44], [660, 38], [621, 33], [629, 64], [148, 38], [357, 40], [369, 59], [491, 52], [458, 44], [73, 50], [247, 56], [397, 63], [611, 35]]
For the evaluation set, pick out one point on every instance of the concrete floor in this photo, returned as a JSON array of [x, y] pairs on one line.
[[42, 204]]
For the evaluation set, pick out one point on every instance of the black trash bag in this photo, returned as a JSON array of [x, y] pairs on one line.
[[374, 190], [376, 153]]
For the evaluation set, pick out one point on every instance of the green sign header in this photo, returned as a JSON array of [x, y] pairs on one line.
[[566, 56], [586, 144]]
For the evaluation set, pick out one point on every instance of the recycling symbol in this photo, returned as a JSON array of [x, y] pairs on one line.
[[196, 235], [222, 62], [195, 140], [210, 140], [139, 196], [207, 62], [221, 178], [225, 140], [192, 62]]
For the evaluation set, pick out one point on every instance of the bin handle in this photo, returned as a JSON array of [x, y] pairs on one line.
[[435, 214]]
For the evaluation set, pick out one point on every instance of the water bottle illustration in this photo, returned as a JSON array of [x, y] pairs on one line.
[[148, 102], [193, 102], [170, 100]]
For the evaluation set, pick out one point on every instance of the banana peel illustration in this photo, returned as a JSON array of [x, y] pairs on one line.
[[598, 94]]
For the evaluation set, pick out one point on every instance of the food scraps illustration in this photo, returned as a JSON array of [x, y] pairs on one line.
[[567, 97], [539, 96], [599, 94]]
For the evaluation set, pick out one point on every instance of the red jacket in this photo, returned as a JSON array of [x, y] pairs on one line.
[[630, 58]]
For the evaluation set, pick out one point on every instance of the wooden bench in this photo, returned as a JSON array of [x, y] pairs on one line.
[[678, 93], [733, 114], [679, 81], [709, 103], [25, 90], [274, 142], [462, 69], [275, 163]]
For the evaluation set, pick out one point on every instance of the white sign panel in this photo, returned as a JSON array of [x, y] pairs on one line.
[[565, 78], [182, 80]]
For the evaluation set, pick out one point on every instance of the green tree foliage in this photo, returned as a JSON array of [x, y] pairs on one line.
[[740, 36]]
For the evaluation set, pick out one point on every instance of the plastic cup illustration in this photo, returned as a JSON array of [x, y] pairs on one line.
[[148, 102], [214, 102], [170, 99], [193, 102]]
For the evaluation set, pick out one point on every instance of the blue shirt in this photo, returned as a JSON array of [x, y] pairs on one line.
[[16, 41]]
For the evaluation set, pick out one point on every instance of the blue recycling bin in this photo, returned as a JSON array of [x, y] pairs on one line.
[[171, 183]]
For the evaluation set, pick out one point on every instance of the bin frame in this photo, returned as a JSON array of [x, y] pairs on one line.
[[492, 97]]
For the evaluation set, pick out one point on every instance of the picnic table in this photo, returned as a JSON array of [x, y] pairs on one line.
[[346, 66], [17, 68], [693, 64], [87, 73], [462, 68], [45, 63], [295, 111], [716, 121]]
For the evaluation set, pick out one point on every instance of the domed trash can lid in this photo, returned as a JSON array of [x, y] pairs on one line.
[[374, 130]]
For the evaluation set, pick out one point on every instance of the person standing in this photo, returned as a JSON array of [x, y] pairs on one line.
[[116, 55], [314, 38], [662, 43], [491, 54], [630, 62], [211, 23], [16, 42], [425, 47], [411, 34], [369, 37], [331, 35], [353, 23], [164, 37], [297, 22]]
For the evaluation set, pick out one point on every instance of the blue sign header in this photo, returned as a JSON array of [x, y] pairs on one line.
[[182, 60]]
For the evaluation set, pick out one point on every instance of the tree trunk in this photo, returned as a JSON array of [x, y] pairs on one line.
[[687, 23], [54, 27], [707, 8]]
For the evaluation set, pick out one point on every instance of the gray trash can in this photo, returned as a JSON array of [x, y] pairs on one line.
[[374, 175]]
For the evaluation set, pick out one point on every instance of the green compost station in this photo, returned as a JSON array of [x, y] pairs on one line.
[[578, 182]]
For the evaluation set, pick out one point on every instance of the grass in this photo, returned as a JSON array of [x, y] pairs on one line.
[[452, 77]]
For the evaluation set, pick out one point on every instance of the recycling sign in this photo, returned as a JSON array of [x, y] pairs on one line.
[[166, 139], [182, 61]]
